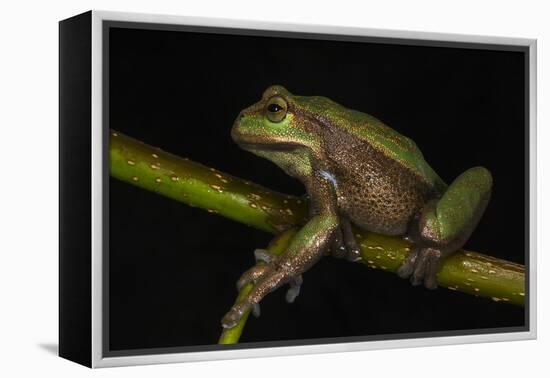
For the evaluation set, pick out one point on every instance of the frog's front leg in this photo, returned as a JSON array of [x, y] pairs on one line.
[[305, 249], [445, 225]]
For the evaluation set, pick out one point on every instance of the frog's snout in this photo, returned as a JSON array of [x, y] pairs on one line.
[[234, 128], [239, 118]]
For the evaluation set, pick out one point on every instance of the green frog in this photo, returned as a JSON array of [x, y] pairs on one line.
[[356, 171]]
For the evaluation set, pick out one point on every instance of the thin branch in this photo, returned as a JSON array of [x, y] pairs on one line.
[[197, 185]]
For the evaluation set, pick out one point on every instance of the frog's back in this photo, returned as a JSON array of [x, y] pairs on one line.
[[384, 139], [381, 178], [397, 146]]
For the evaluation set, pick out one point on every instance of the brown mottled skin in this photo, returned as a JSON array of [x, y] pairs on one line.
[[375, 193], [355, 170]]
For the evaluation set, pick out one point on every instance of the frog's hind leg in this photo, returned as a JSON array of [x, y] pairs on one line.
[[445, 225]]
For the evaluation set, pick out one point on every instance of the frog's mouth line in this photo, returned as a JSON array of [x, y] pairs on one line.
[[282, 146]]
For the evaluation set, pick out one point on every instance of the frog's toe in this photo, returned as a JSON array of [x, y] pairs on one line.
[[256, 310], [263, 259], [421, 267], [263, 255], [407, 268], [354, 255], [231, 319], [432, 265], [353, 251], [294, 290], [252, 275], [337, 246]]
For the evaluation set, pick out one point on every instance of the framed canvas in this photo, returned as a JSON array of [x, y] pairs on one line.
[[353, 188]]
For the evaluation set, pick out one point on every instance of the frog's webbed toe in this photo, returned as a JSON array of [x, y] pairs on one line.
[[421, 266]]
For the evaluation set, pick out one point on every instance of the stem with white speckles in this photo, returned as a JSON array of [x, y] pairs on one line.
[[197, 185]]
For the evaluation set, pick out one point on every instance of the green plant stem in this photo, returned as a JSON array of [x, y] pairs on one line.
[[197, 185], [194, 184]]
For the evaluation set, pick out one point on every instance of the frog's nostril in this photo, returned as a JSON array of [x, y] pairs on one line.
[[241, 115]]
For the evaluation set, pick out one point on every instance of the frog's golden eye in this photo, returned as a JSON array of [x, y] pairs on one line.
[[276, 109]]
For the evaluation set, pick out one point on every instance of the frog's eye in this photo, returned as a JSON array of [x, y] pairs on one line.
[[276, 109]]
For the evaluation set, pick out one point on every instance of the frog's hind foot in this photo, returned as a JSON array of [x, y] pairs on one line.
[[421, 266]]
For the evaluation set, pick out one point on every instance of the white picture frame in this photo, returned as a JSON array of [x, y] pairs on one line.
[[98, 166]]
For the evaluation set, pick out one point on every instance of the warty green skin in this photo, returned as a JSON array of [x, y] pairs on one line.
[[356, 171]]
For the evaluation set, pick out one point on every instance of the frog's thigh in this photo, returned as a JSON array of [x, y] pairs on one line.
[[449, 221], [446, 224]]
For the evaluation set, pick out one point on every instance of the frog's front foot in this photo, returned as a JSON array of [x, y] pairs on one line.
[[266, 276], [252, 275], [421, 267], [273, 278]]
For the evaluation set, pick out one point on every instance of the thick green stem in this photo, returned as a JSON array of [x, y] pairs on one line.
[[194, 184]]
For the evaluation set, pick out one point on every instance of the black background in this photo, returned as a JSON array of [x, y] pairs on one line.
[[173, 268]]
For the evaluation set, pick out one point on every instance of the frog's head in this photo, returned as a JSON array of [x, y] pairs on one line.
[[279, 128]]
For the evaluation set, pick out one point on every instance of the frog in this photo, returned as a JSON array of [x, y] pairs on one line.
[[358, 173]]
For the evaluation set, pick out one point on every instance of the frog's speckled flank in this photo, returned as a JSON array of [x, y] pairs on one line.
[[356, 170]]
